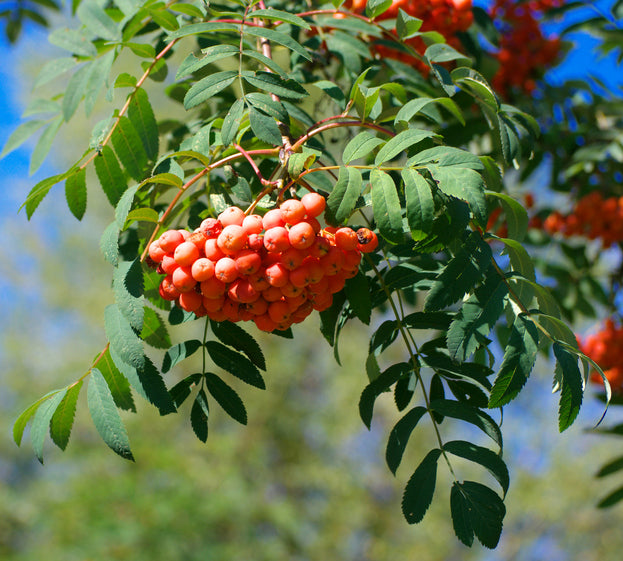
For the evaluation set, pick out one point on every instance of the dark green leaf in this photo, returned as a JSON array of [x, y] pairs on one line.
[[611, 467], [207, 87], [231, 123], [360, 146], [476, 510], [483, 456], [399, 437], [142, 116], [106, 417], [199, 416], [264, 127], [41, 422], [358, 294], [419, 203], [572, 389], [235, 363], [519, 358], [281, 16], [516, 217], [381, 384], [117, 383], [386, 206], [279, 38], [110, 175], [129, 148], [612, 499], [420, 489], [428, 320], [226, 397], [460, 274], [477, 316], [470, 414], [154, 331], [179, 352], [76, 193], [180, 391], [63, 418], [271, 83], [465, 184], [343, 199], [402, 141], [236, 337]]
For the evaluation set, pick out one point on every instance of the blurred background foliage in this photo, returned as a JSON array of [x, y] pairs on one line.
[[304, 481]]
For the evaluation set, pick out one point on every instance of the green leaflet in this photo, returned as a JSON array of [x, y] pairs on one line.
[[44, 144], [231, 123], [271, 83], [235, 363], [20, 135], [105, 416], [73, 40], [63, 418], [415, 106], [226, 397], [279, 38], [344, 196], [419, 202], [401, 142], [76, 193], [516, 216], [386, 206], [154, 331], [110, 175], [381, 384], [179, 352], [360, 146], [572, 387], [142, 116], [476, 318], [109, 243], [209, 86], [75, 90], [264, 127], [128, 290], [41, 422], [460, 274], [40, 190], [406, 25], [488, 459], [123, 339], [519, 358], [199, 416], [399, 437], [357, 292], [180, 391], [117, 383], [192, 63], [476, 511], [419, 491], [233, 335], [465, 184], [129, 148], [54, 68], [97, 21], [281, 16], [97, 78]]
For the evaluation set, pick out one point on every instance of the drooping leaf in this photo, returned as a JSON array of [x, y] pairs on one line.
[[142, 116], [386, 206], [519, 358], [226, 397], [572, 387], [117, 383], [419, 491], [236, 337], [97, 79], [129, 148], [105, 416], [358, 294], [476, 510], [62, 420], [124, 205], [461, 273], [420, 205], [516, 216], [199, 415], [76, 193], [488, 459], [399, 437], [235, 363], [41, 422], [611, 499], [110, 175], [343, 198], [20, 135], [476, 318], [179, 352], [75, 91], [53, 69], [379, 385], [180, 391]]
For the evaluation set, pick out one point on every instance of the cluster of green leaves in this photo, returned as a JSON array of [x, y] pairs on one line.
[[273, 84]]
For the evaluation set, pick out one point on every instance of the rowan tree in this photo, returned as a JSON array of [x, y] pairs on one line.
[[365, 161]]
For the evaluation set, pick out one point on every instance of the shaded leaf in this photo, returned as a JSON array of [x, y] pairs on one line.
[[381, 384], [226, 397], [235, 363], [236, 337], [110, 175], [63, 418], [129, 148], [199, 416], [179, 352], [399, 437], [572, 387], [420, 489]]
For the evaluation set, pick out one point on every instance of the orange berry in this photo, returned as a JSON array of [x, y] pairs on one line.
[[314, 204]]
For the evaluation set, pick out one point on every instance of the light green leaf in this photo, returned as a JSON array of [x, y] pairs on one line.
[[41, 422], [96, 20], [74, 41], [360, 146], [386, 206], [343, 198], [44, 144], [209, 86], [117, 383], [231, 123], [122, 337], [75, 90], [63, 418], [53, 69], [109, 243], [402, 141], [20, 135], [279, 38]]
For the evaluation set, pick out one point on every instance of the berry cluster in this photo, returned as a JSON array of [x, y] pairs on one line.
[[448, 17], [606, 349], [273, 269], [594, 216], [524, 51]]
